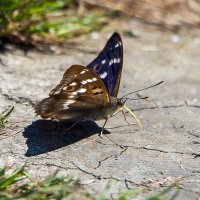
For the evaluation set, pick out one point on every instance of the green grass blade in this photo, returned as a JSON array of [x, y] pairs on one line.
[[167, 191], [9, 112], [104, 195], [4, 116], [14, 177], [128, 194]]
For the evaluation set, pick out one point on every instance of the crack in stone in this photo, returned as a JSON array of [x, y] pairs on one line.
[[86, 172], [6, 137], [193, 134], [153, 149], [193, 106], [111, 156], [61, 167], [53, 165], [111, 178], [106, 158], [19, 100], [196, 171], [126, 181], [121, 146], [99, 177], [177, 152], [115, 155], [195, 142], [123, 150], [188, 190]]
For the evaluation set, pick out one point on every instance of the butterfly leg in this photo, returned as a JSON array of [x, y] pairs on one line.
[[125, 117], [74, 124], [102, 129], [57, 126]]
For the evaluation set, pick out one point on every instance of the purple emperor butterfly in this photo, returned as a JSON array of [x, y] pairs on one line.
[[89, 93]]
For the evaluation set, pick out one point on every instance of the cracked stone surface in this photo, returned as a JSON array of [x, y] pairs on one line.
[[168, 148]]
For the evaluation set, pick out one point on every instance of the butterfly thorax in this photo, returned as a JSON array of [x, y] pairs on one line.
[[115, 105]]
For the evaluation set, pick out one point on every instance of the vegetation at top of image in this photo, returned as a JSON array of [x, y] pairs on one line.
[[18, 184], [49, 21], [4, 116]]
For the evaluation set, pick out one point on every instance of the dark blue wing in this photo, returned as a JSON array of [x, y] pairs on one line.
[[108, 64]]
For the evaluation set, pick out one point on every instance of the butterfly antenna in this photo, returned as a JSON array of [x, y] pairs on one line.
[[143, 89], [135, 117], [136, 98]]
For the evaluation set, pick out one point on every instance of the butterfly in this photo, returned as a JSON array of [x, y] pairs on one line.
[[89, 92]]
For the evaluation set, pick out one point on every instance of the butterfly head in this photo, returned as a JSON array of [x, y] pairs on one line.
[[116, 105]]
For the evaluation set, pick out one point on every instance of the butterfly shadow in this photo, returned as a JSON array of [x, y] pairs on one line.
[[46, 135]]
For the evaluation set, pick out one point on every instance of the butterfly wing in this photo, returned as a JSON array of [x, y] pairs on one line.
[[79, 92], [108, 64]]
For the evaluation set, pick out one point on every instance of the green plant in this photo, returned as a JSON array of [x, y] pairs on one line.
[[4, 116], [7, 180], [49, 21], [170, 192], [19, 185]]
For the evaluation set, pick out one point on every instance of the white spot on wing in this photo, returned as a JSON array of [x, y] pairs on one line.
[[117, 45], [82, 90], [115, 60], [103, 61], [73, 84], [89, 80], [94, 79], [118, 60], [71, 96], [67, 103], [83, 82], [104, 75], [70, 101], [65, 106], [111, 62], [82, 72], [73, 93]]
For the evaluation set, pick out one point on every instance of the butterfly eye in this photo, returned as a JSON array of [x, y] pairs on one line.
[[97, 68]]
